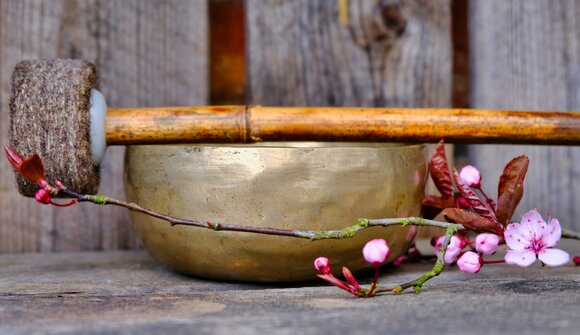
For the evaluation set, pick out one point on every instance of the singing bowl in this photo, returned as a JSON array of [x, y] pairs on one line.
[[299, 186]]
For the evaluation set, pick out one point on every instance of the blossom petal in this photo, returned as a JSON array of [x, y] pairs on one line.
[[553, 257], [520, 257], [553, 233], [534, 224], [451, 254], [514, 238]]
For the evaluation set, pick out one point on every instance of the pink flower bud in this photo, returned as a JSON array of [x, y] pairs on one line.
[[376, 251], [576, 260], [487, 243], [453, 249], [470, 176], [399, 260], [322, 265], [469, 262], [42, 196]]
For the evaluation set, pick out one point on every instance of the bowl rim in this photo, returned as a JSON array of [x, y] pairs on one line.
[[334, 145]]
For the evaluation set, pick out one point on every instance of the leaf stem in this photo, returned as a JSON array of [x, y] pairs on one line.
[[567, 233], [488, 200]]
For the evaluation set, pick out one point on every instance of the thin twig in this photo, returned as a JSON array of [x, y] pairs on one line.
[[314, 235], [439, 266], [567, 233]]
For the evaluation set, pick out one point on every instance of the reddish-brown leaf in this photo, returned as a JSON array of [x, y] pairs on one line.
[[437, 202], [471, 220], [439, 171], [30, 168], [14, 158], [511, 188], [476, 204]]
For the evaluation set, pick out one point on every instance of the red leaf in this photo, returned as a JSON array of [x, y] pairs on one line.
[[439, 171], [437, 202], [30, 168], [349, 277], [14, 158], [471, 221], [476, 204], [511, 188]]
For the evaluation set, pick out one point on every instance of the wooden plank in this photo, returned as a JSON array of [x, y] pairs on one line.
[[397, 55], [526, 55], [349, 53], [149, 53], [127, 292]]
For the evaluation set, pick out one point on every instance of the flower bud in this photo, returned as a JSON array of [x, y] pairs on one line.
[[576, 260], [453, 249], [322, 265], [487, 243], [42, 196], [376, 251], [399, 260], [470, 176], [469, 262]]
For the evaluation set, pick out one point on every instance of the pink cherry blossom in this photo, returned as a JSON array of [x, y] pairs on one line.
[[532, 238], [376, 251], [469, 262], [322, 265], [487, 243], [470, 176], [453, 249]]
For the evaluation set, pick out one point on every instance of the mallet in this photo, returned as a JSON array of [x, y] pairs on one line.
[[56, 112]]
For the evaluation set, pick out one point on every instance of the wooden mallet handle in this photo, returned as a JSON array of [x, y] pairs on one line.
[[246, 124]]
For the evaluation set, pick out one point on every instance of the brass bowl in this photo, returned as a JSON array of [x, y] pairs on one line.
[[306, 186]]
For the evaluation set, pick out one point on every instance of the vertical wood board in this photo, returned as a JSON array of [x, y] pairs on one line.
[[349, 53], [525, 55]]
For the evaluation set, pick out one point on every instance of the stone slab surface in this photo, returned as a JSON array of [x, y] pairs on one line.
[[129, 293]]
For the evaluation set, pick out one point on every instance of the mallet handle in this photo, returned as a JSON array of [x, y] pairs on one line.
[[244, 124]]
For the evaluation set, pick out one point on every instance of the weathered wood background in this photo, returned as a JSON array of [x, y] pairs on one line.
[[368, 53], [526, 55], [147, 52], [523, 55]]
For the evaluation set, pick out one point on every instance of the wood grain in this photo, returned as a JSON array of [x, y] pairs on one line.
[[390, 53], [126, 292], [148, 53], [526, 55]]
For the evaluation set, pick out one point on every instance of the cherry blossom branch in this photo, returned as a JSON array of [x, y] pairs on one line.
[[348, 232], [313, 235]]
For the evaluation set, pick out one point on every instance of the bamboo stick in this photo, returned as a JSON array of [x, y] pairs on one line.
[[247, 124]]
